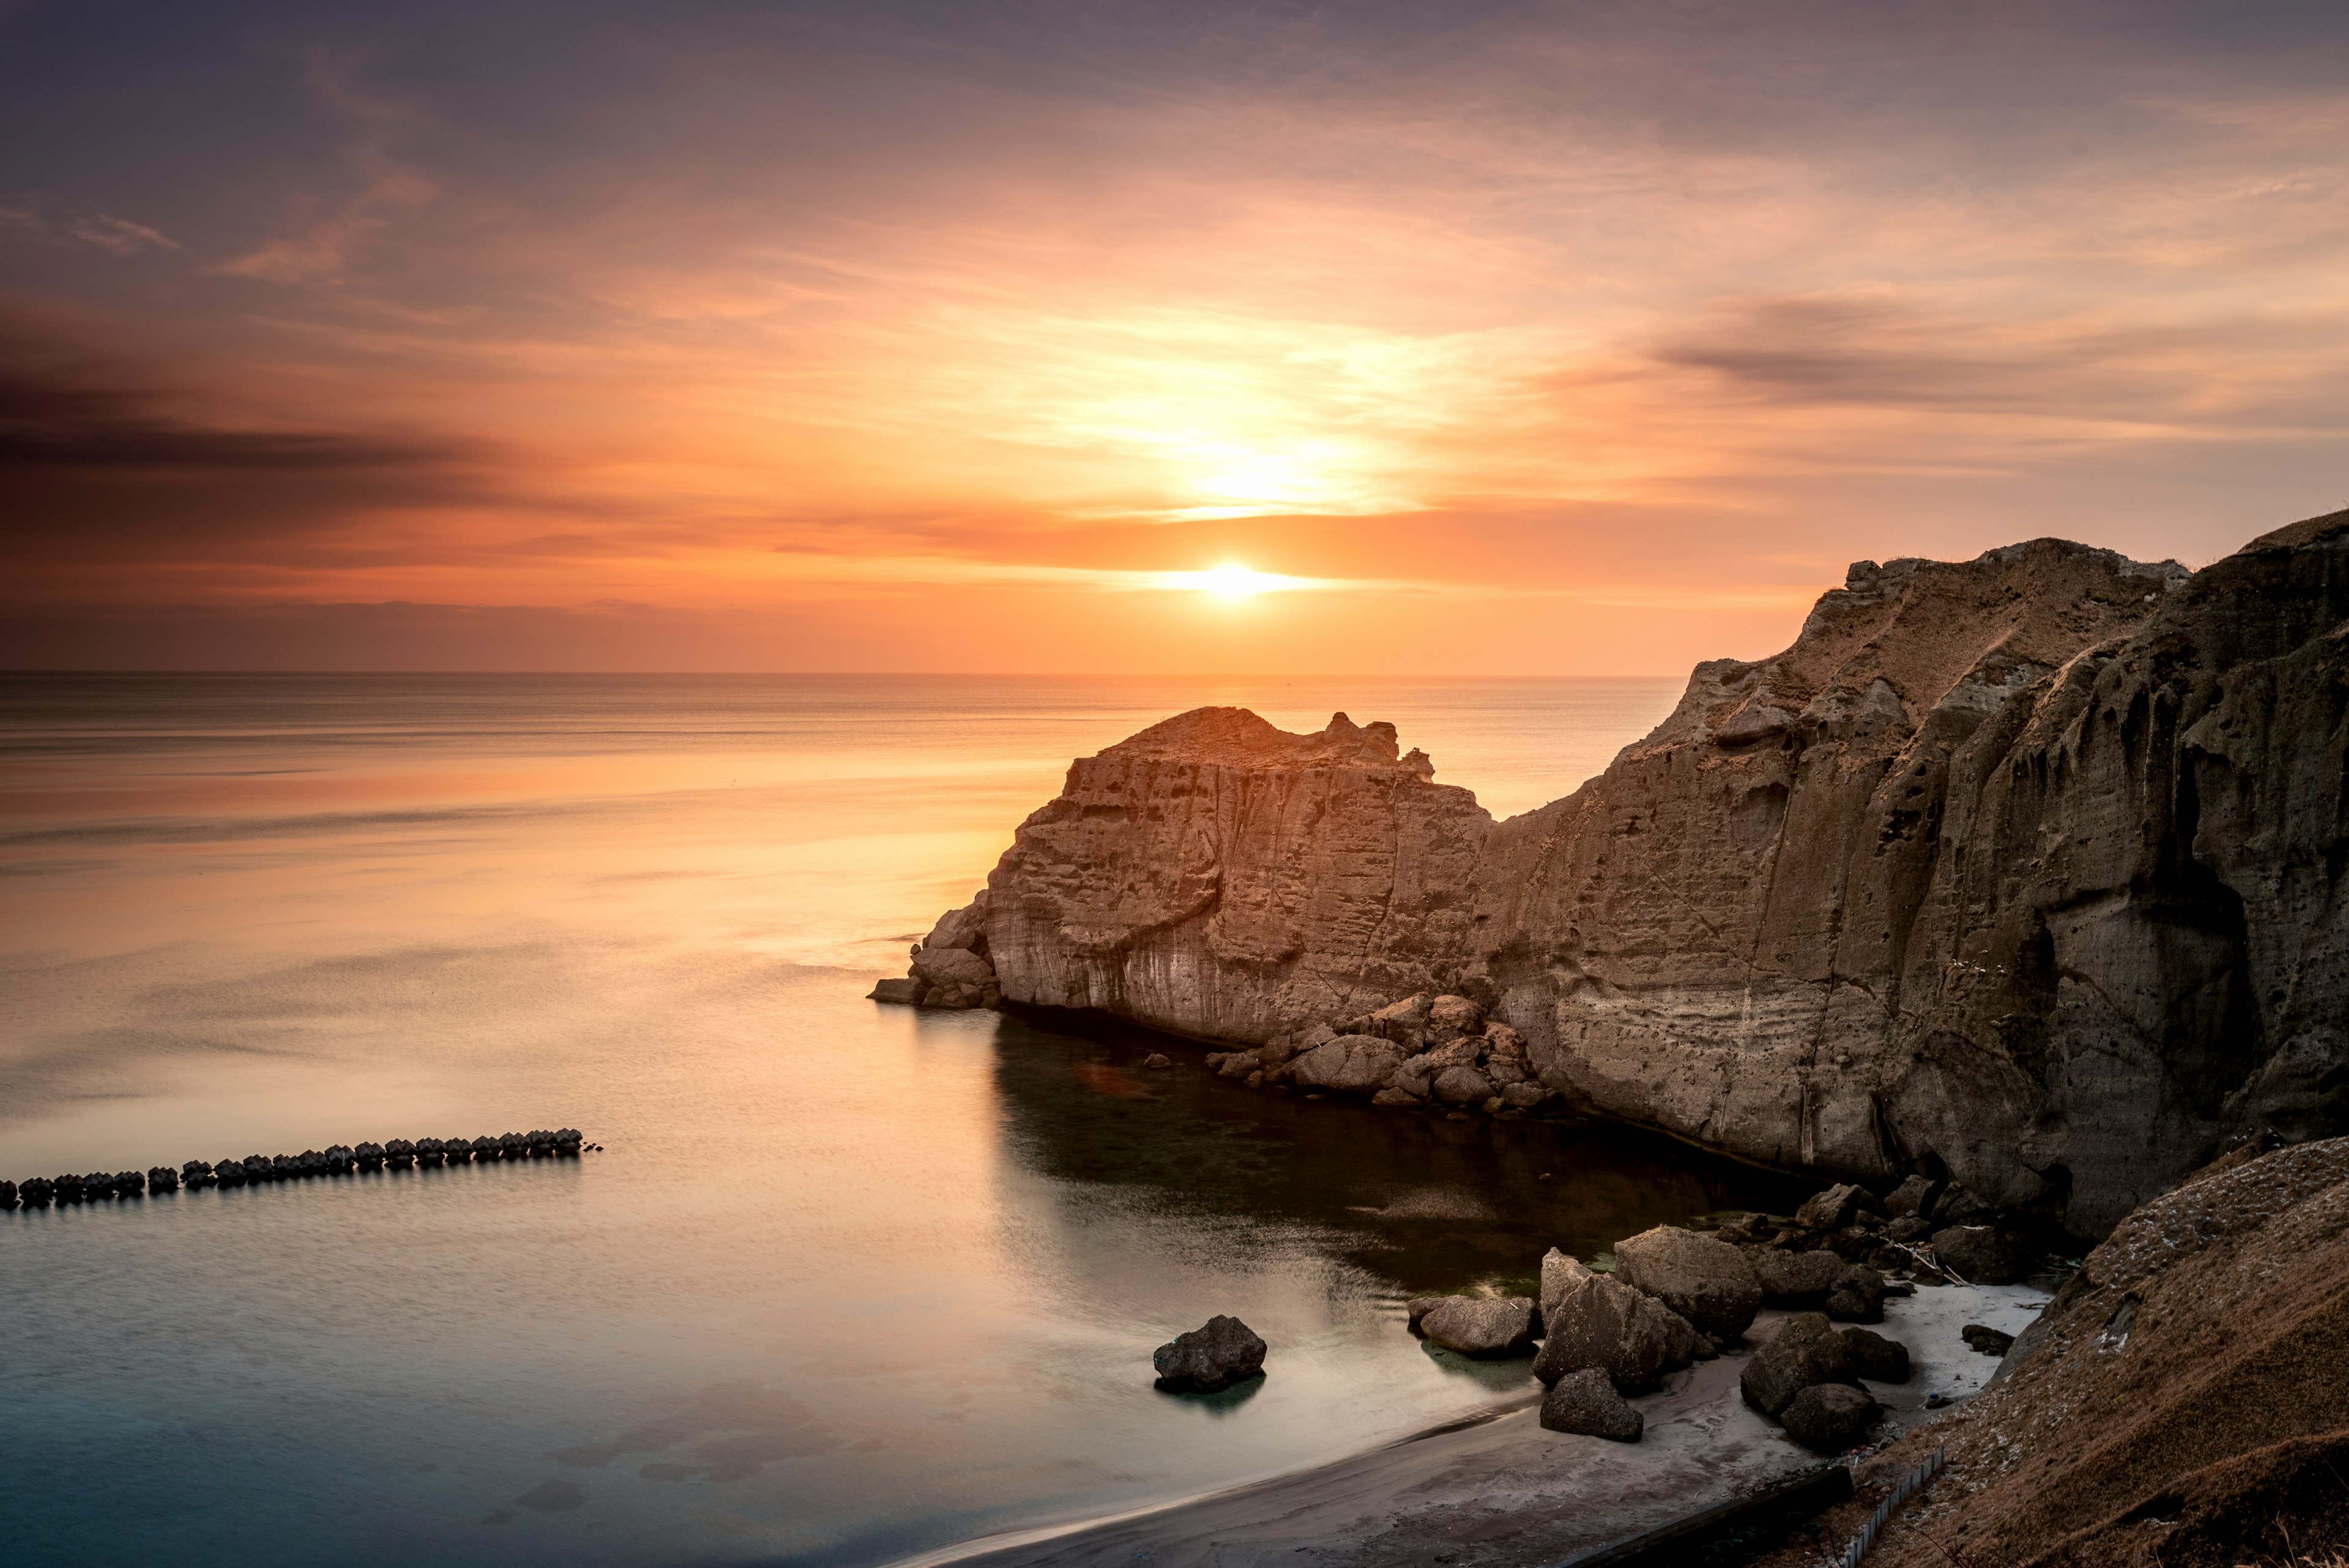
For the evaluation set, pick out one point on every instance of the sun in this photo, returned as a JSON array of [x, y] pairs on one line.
[[1233, 581]]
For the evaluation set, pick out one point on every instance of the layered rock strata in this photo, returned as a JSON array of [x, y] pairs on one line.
[[2022, 870]]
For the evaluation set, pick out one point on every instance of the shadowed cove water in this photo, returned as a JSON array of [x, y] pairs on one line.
[[848, 1282]]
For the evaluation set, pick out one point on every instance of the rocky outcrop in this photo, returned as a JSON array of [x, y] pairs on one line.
[[2022, 870]]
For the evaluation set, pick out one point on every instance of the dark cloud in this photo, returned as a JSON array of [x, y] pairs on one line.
[[2276, 371], [97, 456]]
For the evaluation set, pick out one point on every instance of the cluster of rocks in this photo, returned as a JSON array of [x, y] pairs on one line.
[[1420, 1051], [950, 967], [341, 1159], [1936, 1228], [1677, 1296]]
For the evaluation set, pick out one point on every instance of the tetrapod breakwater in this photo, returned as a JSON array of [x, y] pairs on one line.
[[253, 1170]]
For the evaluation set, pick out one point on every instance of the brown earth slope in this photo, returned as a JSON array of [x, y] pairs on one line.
[[2183, 1402]]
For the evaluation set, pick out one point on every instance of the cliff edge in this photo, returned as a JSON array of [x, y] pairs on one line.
[[2022, 870]]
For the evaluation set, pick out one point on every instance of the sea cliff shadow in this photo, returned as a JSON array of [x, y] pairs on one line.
[[1426, 1203]]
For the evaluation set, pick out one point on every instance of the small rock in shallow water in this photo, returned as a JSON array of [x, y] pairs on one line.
[[1485, 1329], [1219, 1353], [1586, 1402], [1157, 1059]]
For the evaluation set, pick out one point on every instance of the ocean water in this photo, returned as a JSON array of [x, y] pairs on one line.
[[845, 1283]]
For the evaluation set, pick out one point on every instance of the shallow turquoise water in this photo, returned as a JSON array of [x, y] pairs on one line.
[[847, 1283]]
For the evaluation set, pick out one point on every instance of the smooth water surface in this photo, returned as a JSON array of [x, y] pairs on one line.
[[847, 1283]]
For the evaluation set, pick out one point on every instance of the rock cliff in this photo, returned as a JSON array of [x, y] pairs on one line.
[[2022, 870]]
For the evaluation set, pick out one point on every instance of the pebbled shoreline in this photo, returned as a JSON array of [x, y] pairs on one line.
[[1498, 1490]]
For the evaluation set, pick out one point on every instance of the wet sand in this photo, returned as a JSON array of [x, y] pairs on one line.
[[1504, 1491]]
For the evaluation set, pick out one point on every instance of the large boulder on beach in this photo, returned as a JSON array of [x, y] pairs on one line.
[[1702, 1278], [1586, 1402], [1793, 1279], [1219, 1353], [1983, 1254], [1350, 1063], [1857, 1296], [1828, 1418], [1485, 1328], [1806, 1351], [1872, 1357], [1591, 1320]]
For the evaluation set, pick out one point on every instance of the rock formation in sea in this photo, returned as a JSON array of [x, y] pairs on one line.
[[2022, 872]]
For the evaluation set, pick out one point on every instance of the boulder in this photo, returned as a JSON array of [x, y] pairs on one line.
[[907, 992], [1524, 1096], [960, 928], [1239, 1065], [1986, 1340], [954, 977], [1910, 1228], [1462, 1086], [1857, 1295], [1983, 1254], [1157, 1061], [1831, 1210], [1586, 1402], [1450, 1018], [1392, 1097], [1219, 1353], [8, 1196], [1486, 1328], [1350, 1063], [1702, 1278], [1793, 1279], [1403, 1022], [1828, 1418], [1914, 1197], [1805, 1350], [1591, 1320], [1874, 1357], [1957, 1206]]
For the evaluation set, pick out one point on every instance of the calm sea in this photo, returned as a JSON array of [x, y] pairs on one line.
[[847, 1283]]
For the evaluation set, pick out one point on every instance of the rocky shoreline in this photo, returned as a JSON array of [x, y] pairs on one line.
[[256, 1170], [2180, 1399]]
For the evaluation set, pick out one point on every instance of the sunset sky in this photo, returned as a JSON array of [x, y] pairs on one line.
[[1509, 338]]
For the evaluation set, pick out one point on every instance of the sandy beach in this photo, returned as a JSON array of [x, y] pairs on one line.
[[1502, 1491]]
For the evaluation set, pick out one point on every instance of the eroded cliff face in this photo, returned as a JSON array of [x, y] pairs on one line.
[[2023, 870], [1216, 876]]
